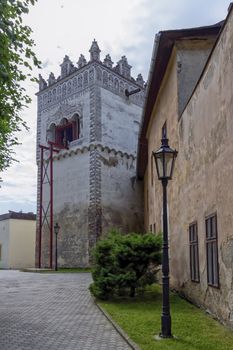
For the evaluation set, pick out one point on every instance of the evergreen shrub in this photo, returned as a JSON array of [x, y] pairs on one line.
[[125, 262]]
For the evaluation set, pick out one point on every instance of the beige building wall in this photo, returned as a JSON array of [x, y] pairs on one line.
[[22, 243], [165, 110], [203, 175]]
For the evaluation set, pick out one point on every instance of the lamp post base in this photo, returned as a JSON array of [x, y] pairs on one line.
[[165, 336], [160, 337], [166, 326]]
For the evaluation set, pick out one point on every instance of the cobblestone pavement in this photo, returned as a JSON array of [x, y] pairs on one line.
[[52, 311]]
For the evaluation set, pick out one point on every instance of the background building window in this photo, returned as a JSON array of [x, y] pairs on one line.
[[0, 252], [194, 254], [212, 250]]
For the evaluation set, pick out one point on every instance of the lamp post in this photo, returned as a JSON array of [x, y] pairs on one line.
[[56, 231], [164, 161]]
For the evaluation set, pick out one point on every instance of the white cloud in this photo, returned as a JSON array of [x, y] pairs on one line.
[[68, 27]]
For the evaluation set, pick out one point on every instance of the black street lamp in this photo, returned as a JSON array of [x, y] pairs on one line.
[[56, 231], [164, 161]]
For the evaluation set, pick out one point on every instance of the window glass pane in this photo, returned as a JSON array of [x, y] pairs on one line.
[[209, 262], [191, 261], [168, 164], [212, 250], [194, 257], [159, 163], [195, 232], [196, 263], [214, 226], [209, 228], [215, 264]]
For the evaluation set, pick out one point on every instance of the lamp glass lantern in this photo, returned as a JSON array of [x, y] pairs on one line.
[[56, 229], [165, 160]]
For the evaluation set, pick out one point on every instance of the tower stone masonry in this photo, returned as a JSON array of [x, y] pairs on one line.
[[94, 177]]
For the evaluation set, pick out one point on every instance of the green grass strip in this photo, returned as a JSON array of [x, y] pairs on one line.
[[194, 329]]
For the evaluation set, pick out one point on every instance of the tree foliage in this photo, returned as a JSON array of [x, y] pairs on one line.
[[16, 63], [124, 263]]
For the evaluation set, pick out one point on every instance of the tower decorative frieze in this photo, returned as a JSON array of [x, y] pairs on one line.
[[74, 81]]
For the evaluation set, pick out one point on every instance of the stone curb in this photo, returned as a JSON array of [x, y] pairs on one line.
[[34, 269], [122, 333]]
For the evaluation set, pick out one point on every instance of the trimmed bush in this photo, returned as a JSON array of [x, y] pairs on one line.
[[123, 263]]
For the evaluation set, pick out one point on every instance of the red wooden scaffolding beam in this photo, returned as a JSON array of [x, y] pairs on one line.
[[46, 209]]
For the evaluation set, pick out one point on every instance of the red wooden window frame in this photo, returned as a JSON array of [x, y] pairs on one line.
[[75, 132]]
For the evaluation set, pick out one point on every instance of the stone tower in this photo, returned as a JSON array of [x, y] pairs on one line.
[[94, 178]]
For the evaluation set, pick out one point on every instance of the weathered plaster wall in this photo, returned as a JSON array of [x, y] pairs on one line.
[[122, 201], [205, 174], [71, 200], [191, 58], [71, 197], [121, 194], [164, 111], [4, 241], [202, 177], [120, 122]]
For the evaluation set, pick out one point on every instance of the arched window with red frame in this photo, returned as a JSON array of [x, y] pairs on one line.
[[67, 131]]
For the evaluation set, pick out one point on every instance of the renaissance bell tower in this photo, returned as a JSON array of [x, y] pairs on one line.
[[87, 134]]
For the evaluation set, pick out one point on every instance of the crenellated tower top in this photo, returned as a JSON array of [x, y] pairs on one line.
[[67, 67], [94, 51], [81, 61], [108, 61], [74, 78], [123, 67]]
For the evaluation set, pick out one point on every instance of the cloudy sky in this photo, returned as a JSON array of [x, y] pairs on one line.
[[68, 27]]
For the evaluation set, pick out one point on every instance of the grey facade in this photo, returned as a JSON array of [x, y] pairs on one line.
[[95, 185]]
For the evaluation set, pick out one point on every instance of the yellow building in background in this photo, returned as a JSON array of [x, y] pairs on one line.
[[17, 240]]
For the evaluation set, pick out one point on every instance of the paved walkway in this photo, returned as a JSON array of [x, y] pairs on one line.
[[52, 312]]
